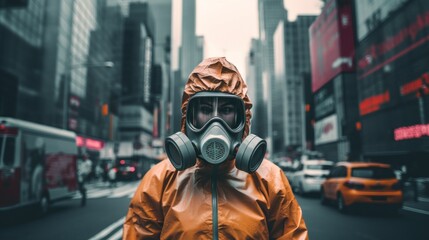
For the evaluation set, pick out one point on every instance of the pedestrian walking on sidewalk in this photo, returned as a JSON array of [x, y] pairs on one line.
[[83, 170], [112, 176]]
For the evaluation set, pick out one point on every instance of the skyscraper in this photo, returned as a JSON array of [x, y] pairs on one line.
[[21, 43], [189, 58], [162, 13], [270, 14], [189, 54], [256, 89], [297, 62]]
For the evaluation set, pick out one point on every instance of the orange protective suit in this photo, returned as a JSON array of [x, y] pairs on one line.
[[207, 202]]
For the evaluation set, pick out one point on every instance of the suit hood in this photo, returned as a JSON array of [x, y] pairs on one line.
[[216, 75]]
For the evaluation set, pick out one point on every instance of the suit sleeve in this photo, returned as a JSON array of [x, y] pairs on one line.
[[144, 219], [285, 218]]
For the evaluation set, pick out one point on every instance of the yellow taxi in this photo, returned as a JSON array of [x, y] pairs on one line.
[[350, 183]]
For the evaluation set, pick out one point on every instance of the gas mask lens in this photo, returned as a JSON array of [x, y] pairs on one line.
[[215, 124], [201, 109]]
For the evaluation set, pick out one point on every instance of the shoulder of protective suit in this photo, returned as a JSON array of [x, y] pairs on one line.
[[164, 165], [268, 168], [271, 174], [160, 171]]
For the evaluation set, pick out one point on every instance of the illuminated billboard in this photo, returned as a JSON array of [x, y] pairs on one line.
[[393, 82], [326, 130], [331, 42], [392, 61], [324, 101], [370, 14]]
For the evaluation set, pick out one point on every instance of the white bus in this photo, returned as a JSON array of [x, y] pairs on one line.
[[37, 164]]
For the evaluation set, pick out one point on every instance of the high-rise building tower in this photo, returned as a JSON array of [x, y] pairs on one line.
[[162, 13], [103, 85], [292, 61], [271, 12], [21, 73], [189, 54], [255, 87], [137, 104], [190, 57]]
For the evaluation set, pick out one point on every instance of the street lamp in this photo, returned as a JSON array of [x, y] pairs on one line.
[[67, 78]]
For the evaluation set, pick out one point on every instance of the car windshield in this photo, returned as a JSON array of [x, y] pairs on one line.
[[319, 167], [373, 173]]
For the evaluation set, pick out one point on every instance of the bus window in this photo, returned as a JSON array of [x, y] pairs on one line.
[[8, 151]]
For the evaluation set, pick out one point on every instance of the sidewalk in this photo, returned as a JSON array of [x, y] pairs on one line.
[[410, 203]]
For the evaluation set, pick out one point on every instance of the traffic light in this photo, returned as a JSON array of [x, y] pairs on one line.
[[105, 109], [358, 126]]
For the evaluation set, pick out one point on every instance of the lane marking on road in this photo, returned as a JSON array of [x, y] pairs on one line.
[[109, 229], [122, 192], [415, 210], [117, 192], [101, 193], [116, 236]]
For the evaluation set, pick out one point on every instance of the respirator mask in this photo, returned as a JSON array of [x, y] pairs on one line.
[[214, 132]]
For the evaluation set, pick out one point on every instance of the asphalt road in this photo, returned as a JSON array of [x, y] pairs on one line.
[[103, 216], [106, 208], [372, 223]]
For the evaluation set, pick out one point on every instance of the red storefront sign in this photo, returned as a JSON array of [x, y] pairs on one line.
[[411, 132], [89, 143]]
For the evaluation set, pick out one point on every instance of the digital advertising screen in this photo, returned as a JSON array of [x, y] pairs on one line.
[[332, 42], [393, 79]]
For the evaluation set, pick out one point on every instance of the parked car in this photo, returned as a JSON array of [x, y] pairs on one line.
[[127, 169], [309, 175], [351, 183], [284, 163]]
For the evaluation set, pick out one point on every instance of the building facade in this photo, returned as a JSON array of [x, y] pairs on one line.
[[256, 89], [271, 12], [393, 83], [137, 101], [292, 61], [21, 68], [332, 47]]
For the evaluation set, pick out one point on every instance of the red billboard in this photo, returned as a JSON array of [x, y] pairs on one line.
[[332, 42], [392, 62]]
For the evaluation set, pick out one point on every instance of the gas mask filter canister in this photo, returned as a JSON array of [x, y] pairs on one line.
[[214, 126]]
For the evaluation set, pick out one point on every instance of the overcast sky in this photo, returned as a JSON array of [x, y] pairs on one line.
[[229, 25]]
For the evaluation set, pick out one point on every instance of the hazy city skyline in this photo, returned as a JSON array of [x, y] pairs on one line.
[[239, 21]]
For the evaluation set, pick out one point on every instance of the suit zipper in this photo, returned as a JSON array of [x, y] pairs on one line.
[[214, 204]]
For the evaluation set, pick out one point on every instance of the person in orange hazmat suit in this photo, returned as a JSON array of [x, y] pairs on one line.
[[216, 183]]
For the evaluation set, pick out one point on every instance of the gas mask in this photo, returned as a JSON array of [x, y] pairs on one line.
[[214, 133]]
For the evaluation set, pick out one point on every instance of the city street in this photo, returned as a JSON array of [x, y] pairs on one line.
[[334, 92], [103, 216], [326, 222]]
